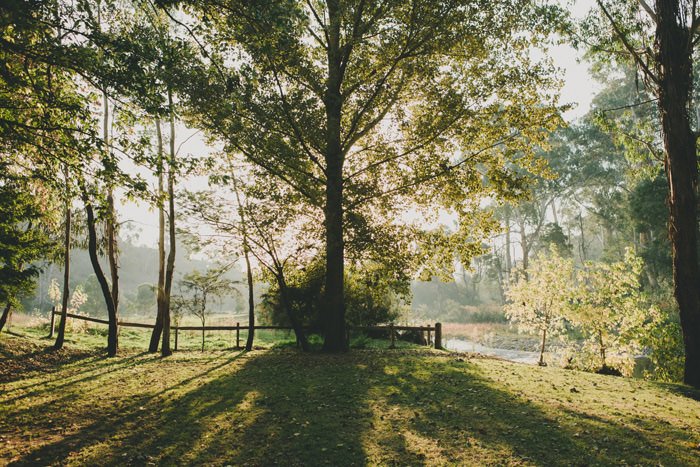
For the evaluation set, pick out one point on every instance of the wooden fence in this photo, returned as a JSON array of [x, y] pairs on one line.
[[431, 334]]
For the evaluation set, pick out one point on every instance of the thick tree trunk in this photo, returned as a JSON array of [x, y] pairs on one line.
[[5, 315], [112, 335], [60, 335], [674, 70], [160, 297], [335, 335]]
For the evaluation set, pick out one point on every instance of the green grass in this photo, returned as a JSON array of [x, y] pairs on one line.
[[377, 407], [95, 337]]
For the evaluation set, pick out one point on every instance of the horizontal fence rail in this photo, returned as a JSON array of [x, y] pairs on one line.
[[435, 330]]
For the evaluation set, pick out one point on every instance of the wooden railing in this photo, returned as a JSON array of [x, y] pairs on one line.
[[434, 333]]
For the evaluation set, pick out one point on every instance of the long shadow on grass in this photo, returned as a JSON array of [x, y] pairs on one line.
[[280, 407], [460, 414], [126, 419], [18, 363], [88, 369]]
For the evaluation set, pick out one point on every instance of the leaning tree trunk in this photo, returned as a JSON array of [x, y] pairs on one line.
[[5, 315], [674, 59], [112, 336], [335, 335], [60, 335]]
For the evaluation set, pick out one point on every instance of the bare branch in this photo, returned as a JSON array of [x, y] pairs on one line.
[[649, 11]]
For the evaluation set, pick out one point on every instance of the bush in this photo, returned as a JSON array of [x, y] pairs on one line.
[[370, 297]]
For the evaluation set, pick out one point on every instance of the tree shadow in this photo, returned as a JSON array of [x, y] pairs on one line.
[[281, 407], [460, 416], [23, 358], [681, 390]]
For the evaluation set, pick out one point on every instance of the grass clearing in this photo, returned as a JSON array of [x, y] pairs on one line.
[[278, 406]]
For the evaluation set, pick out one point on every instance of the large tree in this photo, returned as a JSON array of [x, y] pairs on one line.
[[354, 102], [667, 69]]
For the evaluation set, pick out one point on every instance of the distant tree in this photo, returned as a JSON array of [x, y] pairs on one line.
[[202, 286], [537, 301]]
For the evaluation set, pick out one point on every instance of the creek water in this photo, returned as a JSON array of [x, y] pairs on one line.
[[464, 345]]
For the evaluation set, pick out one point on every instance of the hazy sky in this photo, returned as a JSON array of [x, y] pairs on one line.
[[578, 89]]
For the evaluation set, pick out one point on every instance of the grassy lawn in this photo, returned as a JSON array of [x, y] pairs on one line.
[[277, 406]]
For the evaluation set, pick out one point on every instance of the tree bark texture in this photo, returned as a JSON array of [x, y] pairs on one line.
[[335, 333], [674, 68]]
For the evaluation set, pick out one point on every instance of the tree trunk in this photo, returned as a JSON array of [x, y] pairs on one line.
[[544, 340], [5, 315], [602, 348], [524, 244], [112, 249], [251, 303], [160, 297], [112, 336], [60, 335], [286, 303], [170, 268], [674, 68], [582, 246], [335, 335], [509, 261]]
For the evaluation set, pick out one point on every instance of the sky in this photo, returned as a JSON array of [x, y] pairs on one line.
[[578, 89]]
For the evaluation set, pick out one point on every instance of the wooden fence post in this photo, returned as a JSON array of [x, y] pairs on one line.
[[238, 335], [391, 333], [438, 335], [430, 340], [53, 316], [177, 328]]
